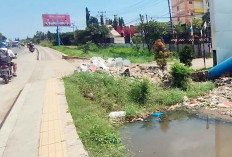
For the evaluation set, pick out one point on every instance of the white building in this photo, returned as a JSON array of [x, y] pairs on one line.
[[221, 24]]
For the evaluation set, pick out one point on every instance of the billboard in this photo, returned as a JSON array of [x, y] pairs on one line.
[[56, 20]]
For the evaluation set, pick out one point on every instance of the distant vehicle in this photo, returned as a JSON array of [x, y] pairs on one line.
[[3, 44], [5, 66], [15, 44]]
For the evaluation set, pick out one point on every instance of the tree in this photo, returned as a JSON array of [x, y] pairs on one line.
[[115, 23], [196, 25], [2, 37], [206, 17], [186, 55], [87, 17], [98, 33], [178, 29], [49, 35], [137, 40], [110, 22], [121, 22], [153, 30], [39, 36], [93, 21], [67, 38], [82, 36], [93, 33]]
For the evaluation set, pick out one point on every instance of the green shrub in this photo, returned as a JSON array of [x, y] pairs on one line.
[[161, 54], [101, 136], [89, 46], [93, 47], [186, 55], [139, 91], [180, 75]]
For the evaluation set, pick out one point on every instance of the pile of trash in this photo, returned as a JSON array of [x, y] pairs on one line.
[[219, 99], [97, 63], [122, 67]]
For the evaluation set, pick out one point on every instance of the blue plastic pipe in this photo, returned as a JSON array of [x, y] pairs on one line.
[[220, 69]]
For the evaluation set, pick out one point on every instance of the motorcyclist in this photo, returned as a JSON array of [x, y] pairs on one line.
[[12, 56], [30, 44]]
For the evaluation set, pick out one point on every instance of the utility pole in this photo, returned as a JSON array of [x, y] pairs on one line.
[[170, 14], [58, 36], [102, 16], [73, 27]]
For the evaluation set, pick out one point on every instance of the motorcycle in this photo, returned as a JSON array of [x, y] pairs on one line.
[[6, 72], [32, 48]]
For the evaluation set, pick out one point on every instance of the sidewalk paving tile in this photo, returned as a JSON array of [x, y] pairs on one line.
[[52, 142]]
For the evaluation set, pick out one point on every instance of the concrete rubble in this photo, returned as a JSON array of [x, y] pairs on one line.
[[118, 114], [122, 67]]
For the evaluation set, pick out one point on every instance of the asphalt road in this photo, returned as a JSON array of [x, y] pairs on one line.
[[30, 70], [8, 92]]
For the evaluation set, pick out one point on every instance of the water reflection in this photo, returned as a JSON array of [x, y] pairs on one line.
[[179, 134], [148, 124]]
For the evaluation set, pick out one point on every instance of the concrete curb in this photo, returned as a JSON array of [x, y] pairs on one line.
[[64, 56], [38, 55], [74, 145], [11, 119]]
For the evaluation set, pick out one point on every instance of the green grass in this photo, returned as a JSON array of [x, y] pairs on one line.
[[109, 94], [143, 56], [98, 136], [46, 44], [199, 89]]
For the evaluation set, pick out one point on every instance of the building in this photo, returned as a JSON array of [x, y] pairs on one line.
[[185, 10], [221, 28]]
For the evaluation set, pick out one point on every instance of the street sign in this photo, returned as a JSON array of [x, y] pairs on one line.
[[56, 20]]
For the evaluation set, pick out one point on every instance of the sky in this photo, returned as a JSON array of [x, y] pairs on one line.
[[20, 19]]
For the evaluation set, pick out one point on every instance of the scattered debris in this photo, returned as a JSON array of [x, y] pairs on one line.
[[199, 76], [157, 114], [118, 67], [90, 96], [118, 114], [219, 99]]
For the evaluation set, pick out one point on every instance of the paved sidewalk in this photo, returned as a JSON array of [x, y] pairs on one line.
[[52, 142], [39, 124], [58, 137]]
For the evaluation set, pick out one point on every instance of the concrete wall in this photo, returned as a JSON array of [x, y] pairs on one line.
[[221, 14]]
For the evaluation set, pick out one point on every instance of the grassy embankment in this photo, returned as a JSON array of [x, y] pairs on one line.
[[143, 56], [107, 94]]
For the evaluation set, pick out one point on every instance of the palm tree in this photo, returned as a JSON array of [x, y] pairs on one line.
[[206, 17]]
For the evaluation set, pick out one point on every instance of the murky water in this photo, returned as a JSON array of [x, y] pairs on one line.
[[178, 134]]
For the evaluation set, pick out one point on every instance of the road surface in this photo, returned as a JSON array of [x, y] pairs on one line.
[[21, 133], [31, 70], [8, 92]]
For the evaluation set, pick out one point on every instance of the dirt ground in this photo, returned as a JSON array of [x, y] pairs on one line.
[[196, 63]]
